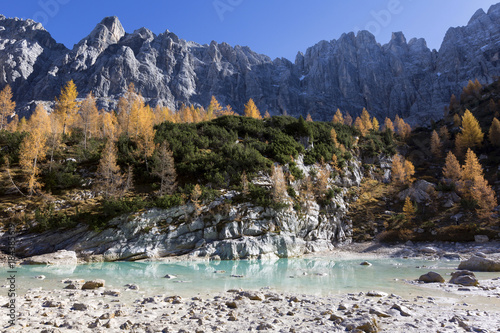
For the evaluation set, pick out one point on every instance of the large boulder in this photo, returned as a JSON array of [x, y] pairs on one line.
[[61, 258], [464, 278], [479, 264], [431, 277]]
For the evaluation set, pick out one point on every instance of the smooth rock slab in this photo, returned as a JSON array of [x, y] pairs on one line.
[[479, 264], [61, 258], [464, 278], [431, 277]]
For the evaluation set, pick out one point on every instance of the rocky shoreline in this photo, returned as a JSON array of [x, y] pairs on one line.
[[97, 308], [102, 310]]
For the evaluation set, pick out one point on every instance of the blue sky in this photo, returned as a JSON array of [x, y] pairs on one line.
[[278, 28]]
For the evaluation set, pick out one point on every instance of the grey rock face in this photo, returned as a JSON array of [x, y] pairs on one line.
[[401, 77]]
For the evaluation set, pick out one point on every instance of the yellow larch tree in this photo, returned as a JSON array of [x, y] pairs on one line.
[[195, 199], [251, 110], [128, 111], [309, 118], [402, 170], [22, 125], [279, 183], [34, 148], [108, 125], [145, 133], [267, 115], [375, 124], [12, 125], [444, 134], [457, 120], [7, 106], [88, 118], [485, 197], [55, 136], [333, 136], [338, 118], [452, 170], [494, 133], [214, 109], [366, 119], [109, 179], [436, 145], [358, 123], [162, 114], [66, 108], [402, 128], [348, 119], [471, 135], [164, 168], [409, 209], [388, 125], [475, 187]]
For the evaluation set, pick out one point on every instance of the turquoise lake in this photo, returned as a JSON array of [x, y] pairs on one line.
[[305, 276]]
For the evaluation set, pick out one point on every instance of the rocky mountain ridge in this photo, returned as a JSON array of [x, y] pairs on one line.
[[401, 77]]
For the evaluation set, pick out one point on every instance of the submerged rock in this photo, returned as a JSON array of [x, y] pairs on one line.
[[94, 284]]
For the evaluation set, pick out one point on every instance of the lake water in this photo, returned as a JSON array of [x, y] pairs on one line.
[[321, 276]]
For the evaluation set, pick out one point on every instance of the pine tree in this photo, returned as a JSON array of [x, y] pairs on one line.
[[66, 106], [452, 170], [34, 148], [436, 145], [366, 119], [388, 125], [251, 110], [164, 168], [347, 119], [409, 209], [494, 133], [471, 135], [7, 106], [279, 184], [109, 179], [338, 118], [89, 117]]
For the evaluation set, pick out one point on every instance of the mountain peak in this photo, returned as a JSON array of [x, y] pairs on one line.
[[109, 31], [477, 15]]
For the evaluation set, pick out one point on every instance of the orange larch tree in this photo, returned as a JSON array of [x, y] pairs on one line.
[[7, 106], [34, 148], [66, 108]]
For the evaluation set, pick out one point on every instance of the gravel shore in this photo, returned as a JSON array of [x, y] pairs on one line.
[[127, 309]]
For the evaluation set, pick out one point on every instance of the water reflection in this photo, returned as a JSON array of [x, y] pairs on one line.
[[311, 276]]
